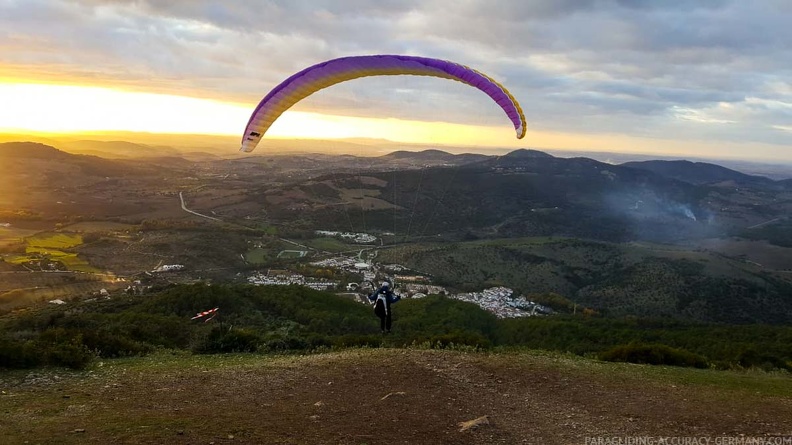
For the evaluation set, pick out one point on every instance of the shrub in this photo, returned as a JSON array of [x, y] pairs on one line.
[[285, 343], [70, 353], [18, 354], [653, 354], [112, 345], [751, 358], [221, 339]]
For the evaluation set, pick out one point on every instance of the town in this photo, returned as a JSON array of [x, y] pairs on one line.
[[501, 301], [360, 238]]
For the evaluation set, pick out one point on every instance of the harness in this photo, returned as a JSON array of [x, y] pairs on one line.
[[384, 299]]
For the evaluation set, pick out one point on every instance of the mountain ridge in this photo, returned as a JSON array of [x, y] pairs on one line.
[[698, 173]]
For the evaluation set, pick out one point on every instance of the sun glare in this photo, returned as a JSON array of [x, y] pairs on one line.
[[45, 108], [59, 108]]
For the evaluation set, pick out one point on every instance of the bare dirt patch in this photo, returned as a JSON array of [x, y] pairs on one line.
[[382, 396]]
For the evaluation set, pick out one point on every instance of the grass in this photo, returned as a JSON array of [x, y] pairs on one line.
[[752, 381], [54, 240], [292, 253], [257, 255], [177, 397], [70, 260], [16, 259], [99, 226], [329, 244], [778, 383]]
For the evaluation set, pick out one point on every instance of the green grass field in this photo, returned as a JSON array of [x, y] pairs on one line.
[[329, 245], [258, 255], [291, 253], [54, 240]]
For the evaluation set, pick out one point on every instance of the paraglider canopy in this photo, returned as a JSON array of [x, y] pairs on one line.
[[331, 72]]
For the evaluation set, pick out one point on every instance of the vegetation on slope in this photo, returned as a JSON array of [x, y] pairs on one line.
[[276, 319]]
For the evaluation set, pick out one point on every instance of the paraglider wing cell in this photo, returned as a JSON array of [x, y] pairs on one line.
[[331, 72]]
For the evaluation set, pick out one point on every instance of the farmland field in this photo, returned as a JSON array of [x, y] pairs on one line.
[[21, 289], [54, 240], [99, 226], [13, 235], [52, 245], [329, 244]]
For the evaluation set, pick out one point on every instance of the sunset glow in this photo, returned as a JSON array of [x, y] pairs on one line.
[[45, 108], [74, 109]]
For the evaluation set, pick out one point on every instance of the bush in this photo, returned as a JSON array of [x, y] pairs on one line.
[[111, 345], [18, 354], [653, 354], [221, 339], [286, 343], [752, 358], [71, 354]]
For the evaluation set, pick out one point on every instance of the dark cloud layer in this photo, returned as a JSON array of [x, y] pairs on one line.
[[718, 70]]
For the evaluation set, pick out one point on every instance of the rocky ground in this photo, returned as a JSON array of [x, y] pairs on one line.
[[386, 396]]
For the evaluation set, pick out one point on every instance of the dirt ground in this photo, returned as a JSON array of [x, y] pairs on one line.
[[390, 396]]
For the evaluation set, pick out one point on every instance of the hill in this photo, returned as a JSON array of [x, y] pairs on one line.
[[146, 374], [119, 149], [32, 155], [433, 155], [497, 200], [53, 184], [699, 173], [526, 193], [524, 153], [615, 279], [293, 318], [523, 194]]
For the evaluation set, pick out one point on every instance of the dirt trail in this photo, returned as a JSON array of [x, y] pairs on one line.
[[376, 397]]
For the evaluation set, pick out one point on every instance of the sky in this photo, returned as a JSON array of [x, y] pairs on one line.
[[697, 78]]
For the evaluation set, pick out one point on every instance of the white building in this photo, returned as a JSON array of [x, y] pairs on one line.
[[169, 268]]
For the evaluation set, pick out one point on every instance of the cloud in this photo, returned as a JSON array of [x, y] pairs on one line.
[[715, 69]]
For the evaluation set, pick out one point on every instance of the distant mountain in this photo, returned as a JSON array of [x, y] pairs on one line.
[[32, 157], [525, 153], [54, 183], [433, 156], [118, 149], [30, 150], [580, 168], [526, 193], [698, 173]]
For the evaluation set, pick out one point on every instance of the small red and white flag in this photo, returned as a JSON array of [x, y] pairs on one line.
[[213, 312]]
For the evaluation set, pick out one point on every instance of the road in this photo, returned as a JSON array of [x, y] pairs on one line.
[[184, 207], [764, 223]]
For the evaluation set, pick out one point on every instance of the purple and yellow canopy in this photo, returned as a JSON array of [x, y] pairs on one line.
[[331, 72]]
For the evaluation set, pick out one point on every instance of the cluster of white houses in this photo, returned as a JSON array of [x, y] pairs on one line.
[[360, 238], [286, 279], [502, 302]]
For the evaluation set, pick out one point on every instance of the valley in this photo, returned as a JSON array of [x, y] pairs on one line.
[[692, 241]]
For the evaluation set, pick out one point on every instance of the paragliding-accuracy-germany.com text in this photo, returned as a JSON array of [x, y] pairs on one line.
[[688, 440]]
